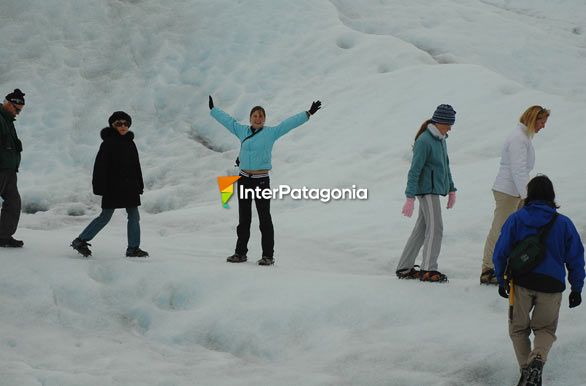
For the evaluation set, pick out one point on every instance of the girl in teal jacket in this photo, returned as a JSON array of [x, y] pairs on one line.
[[254, 161], [429, 177]]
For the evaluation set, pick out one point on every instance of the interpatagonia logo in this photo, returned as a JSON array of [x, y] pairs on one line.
[[226, 185], [325, 195]]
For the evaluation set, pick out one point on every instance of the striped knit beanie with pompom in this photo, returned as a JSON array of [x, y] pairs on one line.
[[444, 114]]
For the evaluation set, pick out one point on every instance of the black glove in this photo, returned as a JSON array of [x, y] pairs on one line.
[[314, 107], [575, 299], [211, 103], [504, 292]]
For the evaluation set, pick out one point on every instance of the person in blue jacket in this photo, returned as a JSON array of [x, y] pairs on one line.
[[429, 178], [541, 289], [254, 161]]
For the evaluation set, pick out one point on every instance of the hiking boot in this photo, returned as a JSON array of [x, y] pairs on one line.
[[432, 276], [266, 261], [236, 258], [488, 277], [81, 246], [136, 252], [408, 273], [534, 372], [11, 242], [523, 378]]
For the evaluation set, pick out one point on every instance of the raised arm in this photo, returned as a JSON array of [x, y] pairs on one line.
[[227, 121], [296, 120]]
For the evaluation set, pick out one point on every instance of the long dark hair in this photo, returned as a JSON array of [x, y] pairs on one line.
[[540, 188], [422, 128]]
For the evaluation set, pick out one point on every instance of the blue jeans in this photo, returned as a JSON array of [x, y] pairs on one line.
[[133, 227]]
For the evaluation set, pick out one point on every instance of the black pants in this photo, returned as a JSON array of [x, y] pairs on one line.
[[10, 213], [263, 207]]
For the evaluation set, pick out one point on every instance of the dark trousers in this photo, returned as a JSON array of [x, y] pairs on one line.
[[263, 207], [11, 205], [132, 227]]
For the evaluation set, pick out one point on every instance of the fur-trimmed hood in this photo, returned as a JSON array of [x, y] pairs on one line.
[[110, 132]]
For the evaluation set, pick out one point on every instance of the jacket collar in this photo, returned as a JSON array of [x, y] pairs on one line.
[[435, 132], [6, 114], [522, 128], [110, 132]]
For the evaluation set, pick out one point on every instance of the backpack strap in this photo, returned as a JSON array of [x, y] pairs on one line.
[[251, 135], [237, 162], [545, 229]]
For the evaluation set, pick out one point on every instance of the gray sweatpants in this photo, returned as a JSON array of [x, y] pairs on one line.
[[428, 232], [10, 213]]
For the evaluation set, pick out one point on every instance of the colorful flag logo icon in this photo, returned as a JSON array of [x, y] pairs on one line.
[[226, 184]]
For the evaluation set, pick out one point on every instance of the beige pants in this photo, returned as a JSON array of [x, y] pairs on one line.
[[505, 206], [543, 322]]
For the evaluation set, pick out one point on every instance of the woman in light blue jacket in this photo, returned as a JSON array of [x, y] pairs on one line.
[[254, 161], [429, 177]]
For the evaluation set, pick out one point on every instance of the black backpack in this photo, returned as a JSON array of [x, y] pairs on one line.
[[529, 252]]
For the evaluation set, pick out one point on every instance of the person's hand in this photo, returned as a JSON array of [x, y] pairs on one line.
[[314, 107], [211, 103], [451, 200], [408, 207], [575, 299], [503, 291]]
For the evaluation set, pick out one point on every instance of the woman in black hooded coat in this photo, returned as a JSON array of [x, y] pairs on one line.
[[117, 178]]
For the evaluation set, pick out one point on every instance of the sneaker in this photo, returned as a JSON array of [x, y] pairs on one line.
[[136, 252], [236, 258], [432, 276], [488, 277], [11, 242], [81, 246], [534, 371], [266, 261], [408, 273]]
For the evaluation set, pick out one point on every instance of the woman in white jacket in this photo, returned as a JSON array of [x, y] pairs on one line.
[[510, 186]]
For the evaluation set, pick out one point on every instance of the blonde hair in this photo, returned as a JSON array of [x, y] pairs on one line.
[[531, 115]]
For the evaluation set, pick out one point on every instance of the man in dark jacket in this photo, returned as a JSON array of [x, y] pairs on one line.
[[10, 149], [539, 290], [118, 179]]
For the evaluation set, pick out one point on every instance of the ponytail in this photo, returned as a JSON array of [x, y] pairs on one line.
[[422, 128]]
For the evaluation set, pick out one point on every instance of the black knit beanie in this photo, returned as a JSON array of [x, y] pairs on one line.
[[120, 116], [16, 97]]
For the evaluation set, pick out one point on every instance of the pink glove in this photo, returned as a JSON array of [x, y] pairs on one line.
[[408, 207], [451, 200]]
